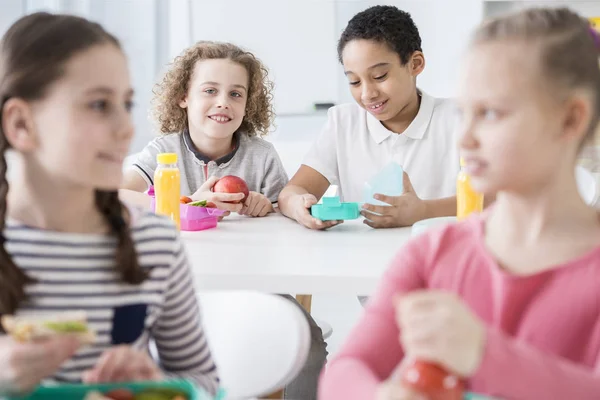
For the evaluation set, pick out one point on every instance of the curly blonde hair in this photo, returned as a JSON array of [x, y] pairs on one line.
[[175, 85]]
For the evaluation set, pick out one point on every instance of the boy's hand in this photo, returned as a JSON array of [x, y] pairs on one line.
[[403, 210], [223, 201], [301, 204], [439, 327], [256, 205]]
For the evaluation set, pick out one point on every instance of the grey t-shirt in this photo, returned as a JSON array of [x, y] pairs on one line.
[[253, 159]]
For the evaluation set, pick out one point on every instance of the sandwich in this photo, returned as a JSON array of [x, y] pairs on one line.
[[29, 328]]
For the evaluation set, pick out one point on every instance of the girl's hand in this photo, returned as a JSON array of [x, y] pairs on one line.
[[394, 390], [439, 327], [123, 364], [223, 201], [256, 205], [24, 365]]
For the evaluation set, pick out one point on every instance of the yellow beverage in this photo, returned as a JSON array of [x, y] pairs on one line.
[[595, 23], [467, 200], [167, 190]]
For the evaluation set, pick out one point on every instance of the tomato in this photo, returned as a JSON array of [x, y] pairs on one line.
[[185, 200], [210, 204], [120, 394], [433, 381]]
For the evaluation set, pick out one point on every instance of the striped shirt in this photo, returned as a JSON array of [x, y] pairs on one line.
[[77, 272]]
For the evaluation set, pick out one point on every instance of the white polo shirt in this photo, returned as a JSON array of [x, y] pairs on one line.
[[354, 146]]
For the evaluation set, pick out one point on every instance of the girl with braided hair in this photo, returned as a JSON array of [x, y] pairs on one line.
[[66, 241]]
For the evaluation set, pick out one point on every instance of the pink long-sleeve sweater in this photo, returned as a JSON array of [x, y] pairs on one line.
[[543, 333]]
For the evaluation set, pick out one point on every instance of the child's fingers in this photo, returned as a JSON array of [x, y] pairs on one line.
[[64, 347], [51, 350], [119, 365], [207, 186], [254, 208], [31, 362], [231, 207], [226, 197], [382, 210], [136, 368], [403, 393], [149, 371], [377, 221], [309, 200], [24, 381], [225, 214], [331, 224], [313, 223], [108, 362], [264, 210], [392, 390], [391, 200], [308, 220]]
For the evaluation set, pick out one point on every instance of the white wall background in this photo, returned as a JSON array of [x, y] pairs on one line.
[[444, 25], [295, 38], [134, 22], [585, 8]]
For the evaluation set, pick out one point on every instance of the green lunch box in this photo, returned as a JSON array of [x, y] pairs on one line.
[[332, 209], [79, 391]]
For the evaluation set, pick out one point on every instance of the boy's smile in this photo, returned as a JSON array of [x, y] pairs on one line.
[[380, 83]]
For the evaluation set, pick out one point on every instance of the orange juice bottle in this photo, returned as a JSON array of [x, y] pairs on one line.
[[167, 191], [467, 200]]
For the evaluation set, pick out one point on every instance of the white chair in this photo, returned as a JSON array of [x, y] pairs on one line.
[[259, 341], [586, 184]]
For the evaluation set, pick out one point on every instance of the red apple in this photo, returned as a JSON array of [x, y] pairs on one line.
[[232, 184], [432, 380]]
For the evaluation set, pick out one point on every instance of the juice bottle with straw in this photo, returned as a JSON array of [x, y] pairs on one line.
[[167, 191], [467, 200]]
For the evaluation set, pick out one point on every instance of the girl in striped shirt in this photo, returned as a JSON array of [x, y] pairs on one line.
[[66, 241]]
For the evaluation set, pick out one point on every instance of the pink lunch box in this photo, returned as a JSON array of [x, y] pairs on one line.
[[196, 218]]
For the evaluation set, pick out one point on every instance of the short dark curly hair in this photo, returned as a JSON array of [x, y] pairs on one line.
[[383, 24]]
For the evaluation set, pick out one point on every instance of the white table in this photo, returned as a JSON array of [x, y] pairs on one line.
[[274, 254]]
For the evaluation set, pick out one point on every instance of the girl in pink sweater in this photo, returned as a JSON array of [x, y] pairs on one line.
[[508, 300]]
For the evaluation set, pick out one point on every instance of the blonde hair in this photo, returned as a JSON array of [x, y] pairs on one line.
[[175, 85], [567, 44]]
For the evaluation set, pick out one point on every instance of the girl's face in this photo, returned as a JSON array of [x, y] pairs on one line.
[[79, 133], [378, 81], [517, 131], [216, 99]]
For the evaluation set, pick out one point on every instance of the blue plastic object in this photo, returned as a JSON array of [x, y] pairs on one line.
[[333, 209], [388, 181]]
